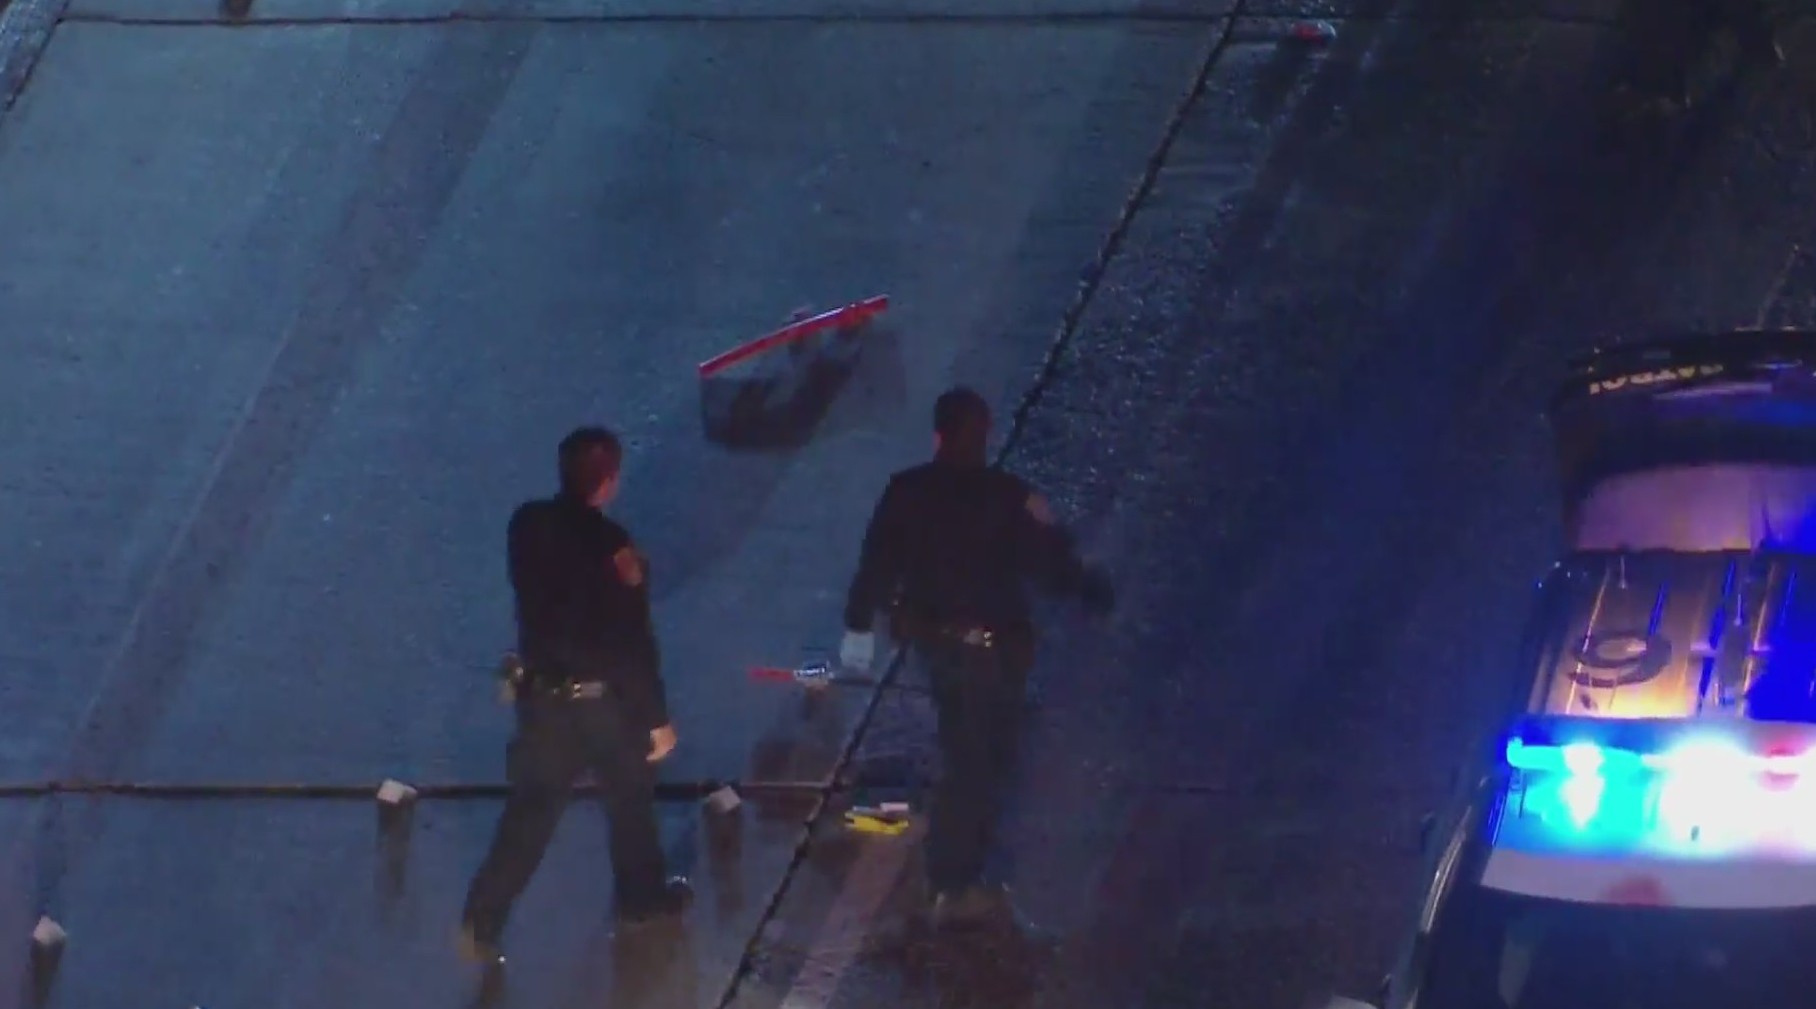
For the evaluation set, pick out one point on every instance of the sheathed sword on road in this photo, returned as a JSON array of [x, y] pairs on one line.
[[820, 674]]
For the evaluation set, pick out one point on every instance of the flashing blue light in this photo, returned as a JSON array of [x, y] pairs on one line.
[[1572, 758], [1701, 757], [1583, 758], [1581, 796], [1703, 797]]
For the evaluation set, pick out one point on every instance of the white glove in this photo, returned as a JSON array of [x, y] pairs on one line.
[[857, 651]]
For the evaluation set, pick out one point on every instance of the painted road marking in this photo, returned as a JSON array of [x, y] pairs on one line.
[[867, 885]]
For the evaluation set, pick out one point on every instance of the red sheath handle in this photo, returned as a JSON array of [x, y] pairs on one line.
[[771, 673], [847, 315]]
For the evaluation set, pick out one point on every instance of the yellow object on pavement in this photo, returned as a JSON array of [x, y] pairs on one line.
[[871, 823]]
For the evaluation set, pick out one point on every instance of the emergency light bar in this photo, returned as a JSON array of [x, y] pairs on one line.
[[1674, 788], [1611, 745], [1713, 755]]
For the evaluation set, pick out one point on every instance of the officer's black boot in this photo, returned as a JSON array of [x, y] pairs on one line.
[[480, 941], [1013, 917], [674, 899], [1759, 28], [967, 907]]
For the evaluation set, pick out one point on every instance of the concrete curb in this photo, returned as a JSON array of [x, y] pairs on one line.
[[25, 27]]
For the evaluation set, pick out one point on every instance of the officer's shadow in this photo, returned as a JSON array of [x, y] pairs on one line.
[[785, 398], [651, 965], [655, 964], [999, 965], [756, 418]]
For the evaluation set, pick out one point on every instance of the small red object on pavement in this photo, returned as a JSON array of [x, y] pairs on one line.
[[838, 318], [813, 672], [1313, 31]]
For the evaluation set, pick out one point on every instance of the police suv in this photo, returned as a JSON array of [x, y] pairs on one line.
[[1642, 835]]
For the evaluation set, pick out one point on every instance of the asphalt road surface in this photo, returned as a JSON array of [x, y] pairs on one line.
[[295, 310]]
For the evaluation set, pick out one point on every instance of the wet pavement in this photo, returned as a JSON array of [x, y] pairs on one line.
[[301, 311], [317, 904], [296, 312], [1301, 420]]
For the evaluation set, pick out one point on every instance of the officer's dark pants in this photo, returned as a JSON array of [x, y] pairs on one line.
[[979, 697], [1671, 39], [556, 739]]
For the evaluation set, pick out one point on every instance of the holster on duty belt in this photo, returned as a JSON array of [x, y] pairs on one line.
[[914, 628], [517, 680]]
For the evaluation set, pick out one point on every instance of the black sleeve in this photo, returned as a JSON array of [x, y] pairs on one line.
[[527, 563], [1046, 549], [646, 697], [879, 562], [649, 693]]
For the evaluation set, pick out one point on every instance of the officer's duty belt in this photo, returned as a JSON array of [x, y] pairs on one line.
[[970, 637], [571, 690], [975, 637], [908, 627]]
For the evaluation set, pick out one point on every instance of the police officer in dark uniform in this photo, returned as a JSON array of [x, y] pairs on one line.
[[957, 539], [589, 695], [1679, 51]]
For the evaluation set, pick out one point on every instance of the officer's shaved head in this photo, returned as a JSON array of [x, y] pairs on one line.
[[590, 459], [961, 419]]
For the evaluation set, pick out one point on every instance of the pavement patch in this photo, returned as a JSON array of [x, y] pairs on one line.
[[680, 11], [25, 29], [627, 216], [381, 240], [867, 887], [1479, 12], [302, 905]]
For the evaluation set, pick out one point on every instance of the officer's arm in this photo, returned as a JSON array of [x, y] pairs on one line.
[[1047, 550], [527, 560], [879, 562], [647, 696]]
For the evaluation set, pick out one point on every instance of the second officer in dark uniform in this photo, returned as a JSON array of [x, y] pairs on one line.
[[590, 696], [1679, 52], [950, 547]]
